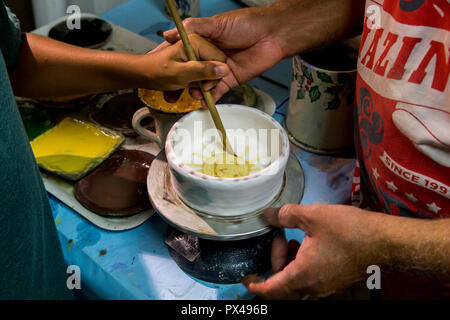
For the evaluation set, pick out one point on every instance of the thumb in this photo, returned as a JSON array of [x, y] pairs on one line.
[[204, 70], [204, 27], [278, 286], [290, 216]]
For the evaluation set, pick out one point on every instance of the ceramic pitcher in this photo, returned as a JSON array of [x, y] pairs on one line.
[[320, 116]]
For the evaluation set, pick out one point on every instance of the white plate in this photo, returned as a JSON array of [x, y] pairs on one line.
[[64, 191], [265, 103], [121, 40]]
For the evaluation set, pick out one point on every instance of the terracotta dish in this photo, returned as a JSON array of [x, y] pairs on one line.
[[117, 187], [115, 111]]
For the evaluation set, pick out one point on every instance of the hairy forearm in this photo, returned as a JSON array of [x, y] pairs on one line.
[[416, 246], [49, 69], [301, 25]]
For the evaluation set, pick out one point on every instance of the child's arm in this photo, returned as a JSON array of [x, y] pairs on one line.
[[46, 68]]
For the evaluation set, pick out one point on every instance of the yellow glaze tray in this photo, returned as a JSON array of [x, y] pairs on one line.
[[73, 148]]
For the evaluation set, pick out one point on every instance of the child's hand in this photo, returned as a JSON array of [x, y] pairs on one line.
[[168, 68]]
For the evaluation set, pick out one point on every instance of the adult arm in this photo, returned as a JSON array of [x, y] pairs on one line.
[[342, 241], [256, 39], [46, 68]]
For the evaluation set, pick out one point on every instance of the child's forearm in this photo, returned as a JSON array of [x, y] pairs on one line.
[[46, 68], [50, 69]]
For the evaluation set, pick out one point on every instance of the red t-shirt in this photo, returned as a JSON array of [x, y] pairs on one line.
[[403, 108]]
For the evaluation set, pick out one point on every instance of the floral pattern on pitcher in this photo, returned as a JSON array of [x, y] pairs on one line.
[[312, 83]]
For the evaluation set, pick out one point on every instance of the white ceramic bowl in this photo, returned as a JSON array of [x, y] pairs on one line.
[[194, 135]]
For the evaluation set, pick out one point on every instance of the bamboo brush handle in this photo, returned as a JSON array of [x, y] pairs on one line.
[[193, 57]]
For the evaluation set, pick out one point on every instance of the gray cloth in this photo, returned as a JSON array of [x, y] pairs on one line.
[[32, 266]]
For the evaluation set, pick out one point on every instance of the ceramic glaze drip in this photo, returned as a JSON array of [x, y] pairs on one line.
[[213, 161], [224, 165], [74, 147]]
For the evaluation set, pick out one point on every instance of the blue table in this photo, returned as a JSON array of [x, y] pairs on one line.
[[135, 264]]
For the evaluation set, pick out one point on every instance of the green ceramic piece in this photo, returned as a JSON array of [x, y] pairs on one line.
[[36, 120]]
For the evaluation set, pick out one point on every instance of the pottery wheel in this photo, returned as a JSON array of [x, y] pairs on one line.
[[223, 262], [177, 214]]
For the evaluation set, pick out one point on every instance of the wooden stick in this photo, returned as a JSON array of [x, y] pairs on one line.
[[193, 57]]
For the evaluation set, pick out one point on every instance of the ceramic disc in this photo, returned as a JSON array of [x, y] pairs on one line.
[[66, 102], [244, 95], [116, 112], [176, 213], [169, 102], [93, 33], [118, 186]]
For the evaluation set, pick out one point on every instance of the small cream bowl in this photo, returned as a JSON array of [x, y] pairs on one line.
[[260, 143]]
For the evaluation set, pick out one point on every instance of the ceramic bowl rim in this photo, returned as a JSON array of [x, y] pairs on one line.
[[176, 164], [301, 60]]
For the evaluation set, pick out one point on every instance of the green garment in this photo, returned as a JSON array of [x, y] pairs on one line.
[[32, 265]]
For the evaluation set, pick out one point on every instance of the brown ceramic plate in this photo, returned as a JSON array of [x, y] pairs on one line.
[[115, 111], [94, 33], [66, 102], [117, 188]]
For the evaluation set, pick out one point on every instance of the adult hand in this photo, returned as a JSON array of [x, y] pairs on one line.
[[246, 36], [256, 39], [339, 245]]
